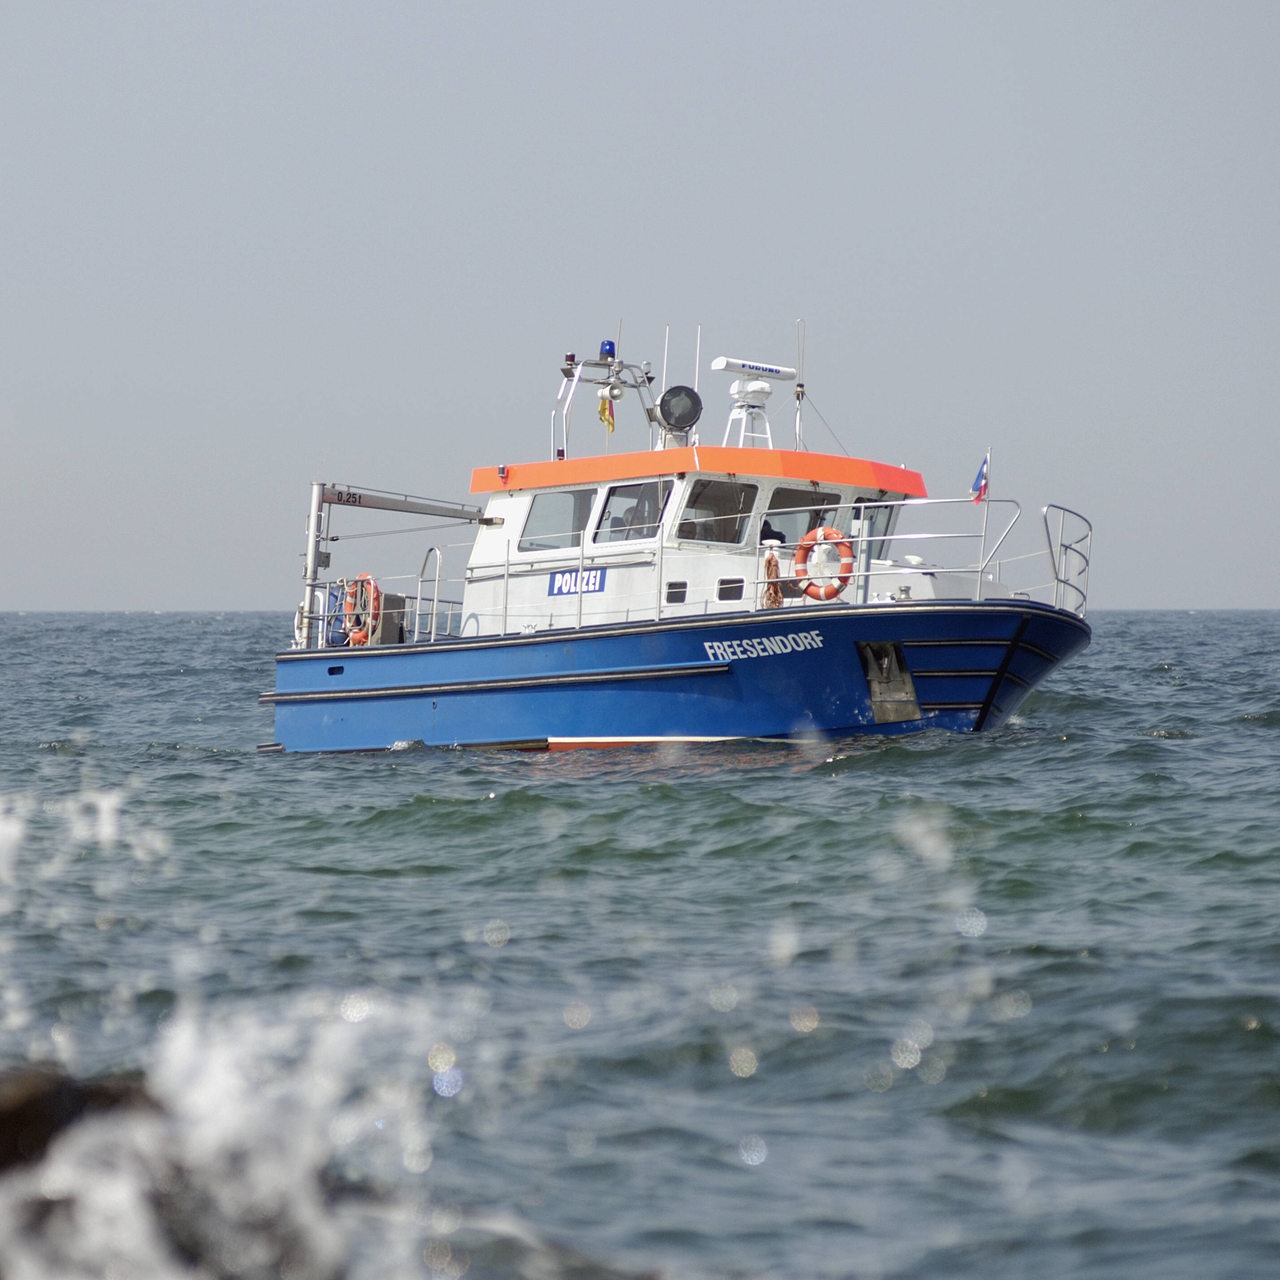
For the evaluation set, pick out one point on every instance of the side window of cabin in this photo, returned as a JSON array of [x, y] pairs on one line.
[[877, 522], [716, 511], [793, 512], [556, 519], [877, 518], [632, 511]]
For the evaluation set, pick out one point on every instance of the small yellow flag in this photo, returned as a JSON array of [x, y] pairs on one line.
[[606, 412]]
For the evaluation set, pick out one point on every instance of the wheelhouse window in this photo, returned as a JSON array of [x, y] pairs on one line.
[[716, 511], [556, 519], [633, 511], [793, 512], [876, 517], [877, 521]]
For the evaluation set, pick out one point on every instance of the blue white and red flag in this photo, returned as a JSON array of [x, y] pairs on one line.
[[979, 490]]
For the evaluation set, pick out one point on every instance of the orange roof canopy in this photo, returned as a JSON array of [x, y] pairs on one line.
[[779, 464]]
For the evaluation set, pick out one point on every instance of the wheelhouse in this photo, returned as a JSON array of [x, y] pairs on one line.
[[671, 531]]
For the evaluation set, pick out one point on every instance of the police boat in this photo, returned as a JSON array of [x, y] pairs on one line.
[[686, 591]]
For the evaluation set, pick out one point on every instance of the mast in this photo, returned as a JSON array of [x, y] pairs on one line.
[[312, 565], [799, 384]]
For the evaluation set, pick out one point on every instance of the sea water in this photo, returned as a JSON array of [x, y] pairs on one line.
[[1004, 1005]]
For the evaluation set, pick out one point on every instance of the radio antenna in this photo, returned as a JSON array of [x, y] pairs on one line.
[[799, 383]]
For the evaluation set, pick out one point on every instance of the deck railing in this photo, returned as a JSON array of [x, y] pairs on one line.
[[916, 549]]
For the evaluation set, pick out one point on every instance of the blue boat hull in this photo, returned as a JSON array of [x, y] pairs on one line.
[[837, 670]]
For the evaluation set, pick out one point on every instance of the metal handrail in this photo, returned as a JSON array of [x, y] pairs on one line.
[[1066, 552], [881, 555], [435, 594]]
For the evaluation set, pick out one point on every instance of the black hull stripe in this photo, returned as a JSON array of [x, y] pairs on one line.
[[958, 673], [991, 704], [515, 682]]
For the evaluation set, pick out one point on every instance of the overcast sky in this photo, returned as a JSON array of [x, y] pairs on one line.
[[245, 246]]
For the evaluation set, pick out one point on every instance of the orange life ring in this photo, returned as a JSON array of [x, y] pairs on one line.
[[361, 609], [837, 582]]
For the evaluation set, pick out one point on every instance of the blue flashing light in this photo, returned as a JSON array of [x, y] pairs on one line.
[[608, 351]]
